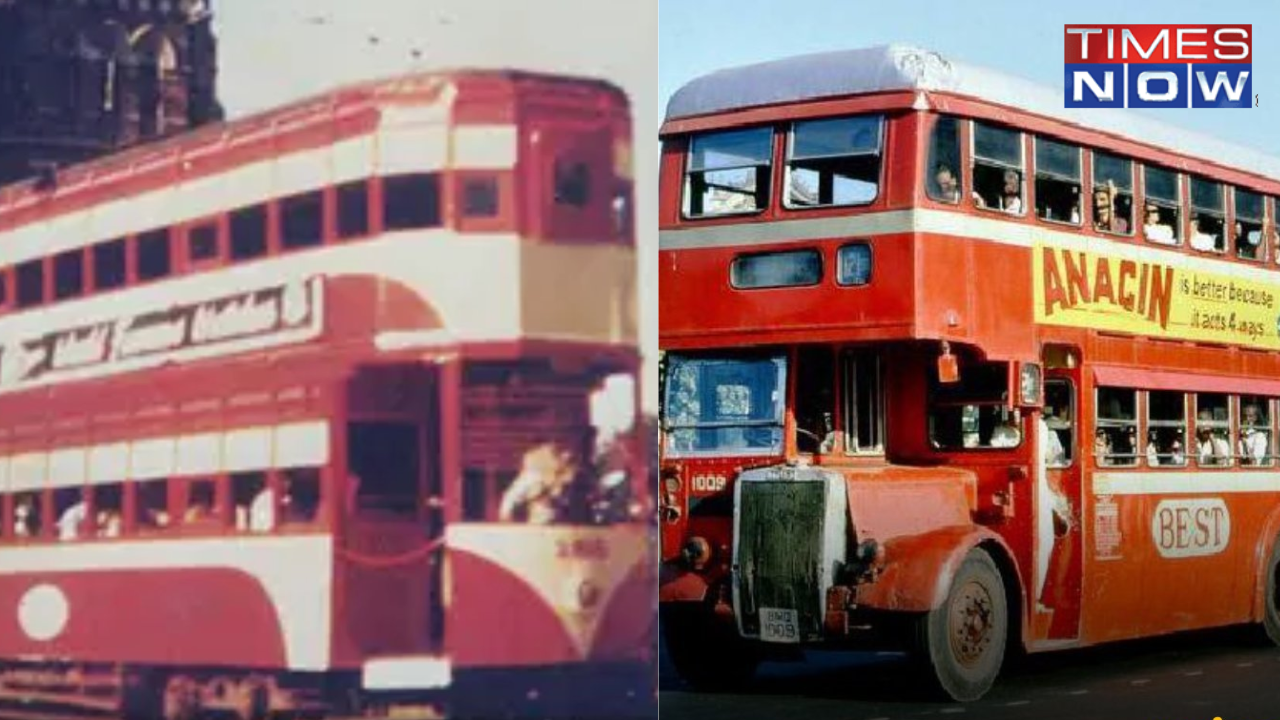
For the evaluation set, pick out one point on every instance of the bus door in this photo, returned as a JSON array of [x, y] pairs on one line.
[[1058, 505], [393, 497]]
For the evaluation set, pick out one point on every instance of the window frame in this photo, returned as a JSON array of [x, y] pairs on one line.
[[788, 158], [1036, 139], [1196, 210], [1099, 423], [686, 195], [1178, 226], [1095, 186], [1261, 257], [1149, 424], [1021, 168], [848, 403], [809, 252], [1229, 425], [932, 160]]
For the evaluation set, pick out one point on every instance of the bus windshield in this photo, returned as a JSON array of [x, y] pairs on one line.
[[724, 405]]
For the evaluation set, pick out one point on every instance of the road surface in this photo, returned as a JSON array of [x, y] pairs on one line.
[[1223, 674]]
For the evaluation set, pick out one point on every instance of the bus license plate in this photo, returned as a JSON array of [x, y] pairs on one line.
[[779, 625]]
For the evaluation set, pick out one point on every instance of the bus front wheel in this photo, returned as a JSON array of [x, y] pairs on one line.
[[961, 643]]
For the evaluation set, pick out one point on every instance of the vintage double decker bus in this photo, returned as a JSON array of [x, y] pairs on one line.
[[950, 368], [300, 413]]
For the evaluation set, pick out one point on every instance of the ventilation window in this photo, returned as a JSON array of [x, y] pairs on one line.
[[480, 197]]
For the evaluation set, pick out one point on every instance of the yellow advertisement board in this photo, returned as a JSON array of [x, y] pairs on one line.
[[1077, 288]]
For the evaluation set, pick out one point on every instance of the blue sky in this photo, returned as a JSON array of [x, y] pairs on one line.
[[1019, 38], [273, 51]]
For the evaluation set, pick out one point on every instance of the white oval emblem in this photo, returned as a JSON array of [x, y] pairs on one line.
[[1191, 528], [43, 612]]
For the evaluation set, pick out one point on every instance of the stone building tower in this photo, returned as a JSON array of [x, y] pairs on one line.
[[82, 78]]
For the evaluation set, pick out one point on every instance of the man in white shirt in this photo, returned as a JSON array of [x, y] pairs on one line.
[[1200, 240], [1253, 437], [70, 521], [1155, 230]]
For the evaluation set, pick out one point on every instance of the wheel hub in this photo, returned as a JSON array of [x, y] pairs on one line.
[[970, 624]]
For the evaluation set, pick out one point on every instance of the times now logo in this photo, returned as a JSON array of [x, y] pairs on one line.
[[1173, 66]]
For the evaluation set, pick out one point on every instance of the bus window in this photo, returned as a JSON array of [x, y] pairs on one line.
[[202, 507], [255, 505], [249, 233], [153, 258], [30, 283], [973, 414], [68, 274], [863, 388], [353, 209], [1255, 431], [1213, 430], [302, 220], [997, 168], [815, 403], [1208, 216], [724, 405], [942, 181], [411, 201], [834, 162], [728, 172], [301, 495], [27, 515], [1115, 441], [1248, 225], [1162, 213], [1166, 429], [1059, 419], [152, 504], [1057, 181], [790, 268], [108, 509], [1112, 194], [71, 511], [108, 265]]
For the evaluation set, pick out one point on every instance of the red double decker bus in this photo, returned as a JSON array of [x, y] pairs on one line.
[[952, 369], [301, 413]]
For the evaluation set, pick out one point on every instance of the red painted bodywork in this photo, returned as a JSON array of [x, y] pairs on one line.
[[926, 287], [134, 616], [380, 604]]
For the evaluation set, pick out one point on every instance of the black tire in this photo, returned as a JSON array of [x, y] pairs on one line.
[[961, 644], [1271, 597], [706, 654]]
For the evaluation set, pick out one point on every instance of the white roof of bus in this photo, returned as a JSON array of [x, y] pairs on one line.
[[902, 67]]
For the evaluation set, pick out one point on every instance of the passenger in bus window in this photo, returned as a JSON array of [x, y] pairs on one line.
[[540, 492], [946, 184], [72, 519], [1011, 196], [1053, 452], [26, 517], [1248, 243], [1102, 447], [1212, 447], [1155, 228], [1202, 238], [1253, 436], [1105, 219]]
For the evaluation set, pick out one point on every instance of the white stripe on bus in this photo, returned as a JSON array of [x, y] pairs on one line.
[[942, 222], [1205, 482]]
